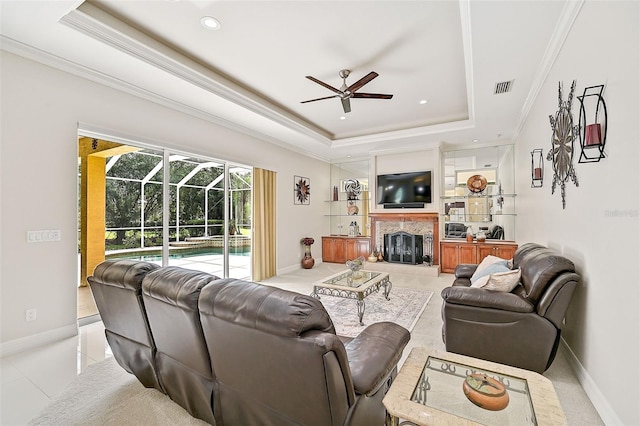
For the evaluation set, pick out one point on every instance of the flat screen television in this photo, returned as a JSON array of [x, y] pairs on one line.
[[404, 188]]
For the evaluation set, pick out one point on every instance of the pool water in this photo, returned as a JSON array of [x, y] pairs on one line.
[[151, 256]]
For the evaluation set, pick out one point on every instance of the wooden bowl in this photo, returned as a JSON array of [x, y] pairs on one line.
[[485, 391]]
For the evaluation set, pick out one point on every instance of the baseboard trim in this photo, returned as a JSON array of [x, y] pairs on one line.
[[599, 401], [13, 347]]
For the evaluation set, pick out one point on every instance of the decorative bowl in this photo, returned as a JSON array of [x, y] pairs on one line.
[[356, 264], [485, 391]]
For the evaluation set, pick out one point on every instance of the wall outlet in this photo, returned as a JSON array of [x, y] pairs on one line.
[[30, 314]]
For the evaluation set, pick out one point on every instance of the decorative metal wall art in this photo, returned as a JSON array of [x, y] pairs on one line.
[[561, 152], [537, 168], [593, 135], [301, 190]]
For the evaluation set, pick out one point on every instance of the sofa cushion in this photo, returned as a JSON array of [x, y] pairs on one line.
[[503, 281], [489, 265]]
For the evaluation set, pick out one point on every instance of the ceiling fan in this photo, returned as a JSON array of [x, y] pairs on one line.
[[345, 93]]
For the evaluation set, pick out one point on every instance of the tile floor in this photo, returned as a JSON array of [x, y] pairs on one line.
[[31, 379]]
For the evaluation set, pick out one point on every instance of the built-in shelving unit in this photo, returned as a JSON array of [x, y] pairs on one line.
[[492, 203], [345, 207]]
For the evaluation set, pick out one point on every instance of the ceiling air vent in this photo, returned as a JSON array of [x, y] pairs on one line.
[[503, 87]]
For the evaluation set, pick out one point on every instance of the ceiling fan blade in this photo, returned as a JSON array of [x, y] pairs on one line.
[[320, 99], [346, 105], [364, 80], [371, 96], [323, 84]]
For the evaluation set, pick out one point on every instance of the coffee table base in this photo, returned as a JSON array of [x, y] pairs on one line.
[[355, 293]]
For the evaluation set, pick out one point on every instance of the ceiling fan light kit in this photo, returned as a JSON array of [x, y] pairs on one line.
[[345, 93]]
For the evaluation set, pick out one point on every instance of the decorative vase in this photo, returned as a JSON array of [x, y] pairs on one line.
[[307, 261]]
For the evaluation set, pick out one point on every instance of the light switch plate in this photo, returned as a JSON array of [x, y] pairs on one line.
[[44, 236]]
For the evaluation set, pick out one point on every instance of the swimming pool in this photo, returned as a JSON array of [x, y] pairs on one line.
[[175, 253]]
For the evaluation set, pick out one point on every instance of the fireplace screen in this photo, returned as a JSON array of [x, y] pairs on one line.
[[402, 247]]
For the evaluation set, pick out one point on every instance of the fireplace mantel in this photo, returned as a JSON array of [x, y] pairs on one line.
[[375, 218]]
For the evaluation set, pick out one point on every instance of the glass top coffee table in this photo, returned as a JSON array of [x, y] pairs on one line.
[[429, 390], [353, 285]]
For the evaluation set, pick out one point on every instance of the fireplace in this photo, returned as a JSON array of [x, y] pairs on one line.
[[422, 224], [402, 247]]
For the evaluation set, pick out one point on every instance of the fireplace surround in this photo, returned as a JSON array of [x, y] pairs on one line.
[[412, 223]]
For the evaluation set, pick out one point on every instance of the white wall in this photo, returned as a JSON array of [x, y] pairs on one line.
[[41, 109], [599, 229]]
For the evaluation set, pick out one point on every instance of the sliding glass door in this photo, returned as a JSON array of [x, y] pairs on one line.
[[163, 207]]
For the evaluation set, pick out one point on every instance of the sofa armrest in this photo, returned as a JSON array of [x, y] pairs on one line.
[[465, 270], [480, 298], [374, 354]]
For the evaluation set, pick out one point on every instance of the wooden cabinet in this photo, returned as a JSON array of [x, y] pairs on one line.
[[339, 249], [453, 253], [503, 250]]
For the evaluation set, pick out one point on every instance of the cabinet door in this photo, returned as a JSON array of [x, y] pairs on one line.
[[467, 254], [504, 251], [448, 257], [363, 247], [332, 249], [351, 249]]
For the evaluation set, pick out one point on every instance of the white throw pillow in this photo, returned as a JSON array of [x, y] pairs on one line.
[[479, 278], [488, 262], [501, 281]]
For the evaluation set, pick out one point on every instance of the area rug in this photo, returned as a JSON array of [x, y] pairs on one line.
[[105, 394], [404, 307]]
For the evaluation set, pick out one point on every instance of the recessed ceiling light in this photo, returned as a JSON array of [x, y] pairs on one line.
[[343, 118], [210, 23], [423, 101], [476, 140]]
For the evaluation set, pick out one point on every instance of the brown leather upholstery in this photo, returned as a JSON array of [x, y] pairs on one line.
[[116, 287], [521, 328], [278, 360], [171, 297], [233, 352]]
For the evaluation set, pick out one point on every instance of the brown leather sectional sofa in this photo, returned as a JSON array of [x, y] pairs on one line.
[[520, 328], [233, 352]]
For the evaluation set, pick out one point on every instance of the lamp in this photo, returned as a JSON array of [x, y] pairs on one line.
[[537, 168], [593, 124]]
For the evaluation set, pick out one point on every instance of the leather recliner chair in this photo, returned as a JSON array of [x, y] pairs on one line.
[[521, 328], [117, 289], [281, 362], [455, 230], [171, 296]]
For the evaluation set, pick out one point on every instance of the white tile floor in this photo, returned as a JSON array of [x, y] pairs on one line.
[[29, 380]]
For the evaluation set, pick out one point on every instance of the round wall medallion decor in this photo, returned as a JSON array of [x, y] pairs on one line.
[[561, 153]]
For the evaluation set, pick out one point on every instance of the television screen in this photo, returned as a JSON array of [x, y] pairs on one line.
[[401, 188]]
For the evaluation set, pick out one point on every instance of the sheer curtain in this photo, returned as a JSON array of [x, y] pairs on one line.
[[264, 224]]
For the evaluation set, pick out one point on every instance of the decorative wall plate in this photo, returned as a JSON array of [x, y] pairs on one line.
[[477, 183]]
